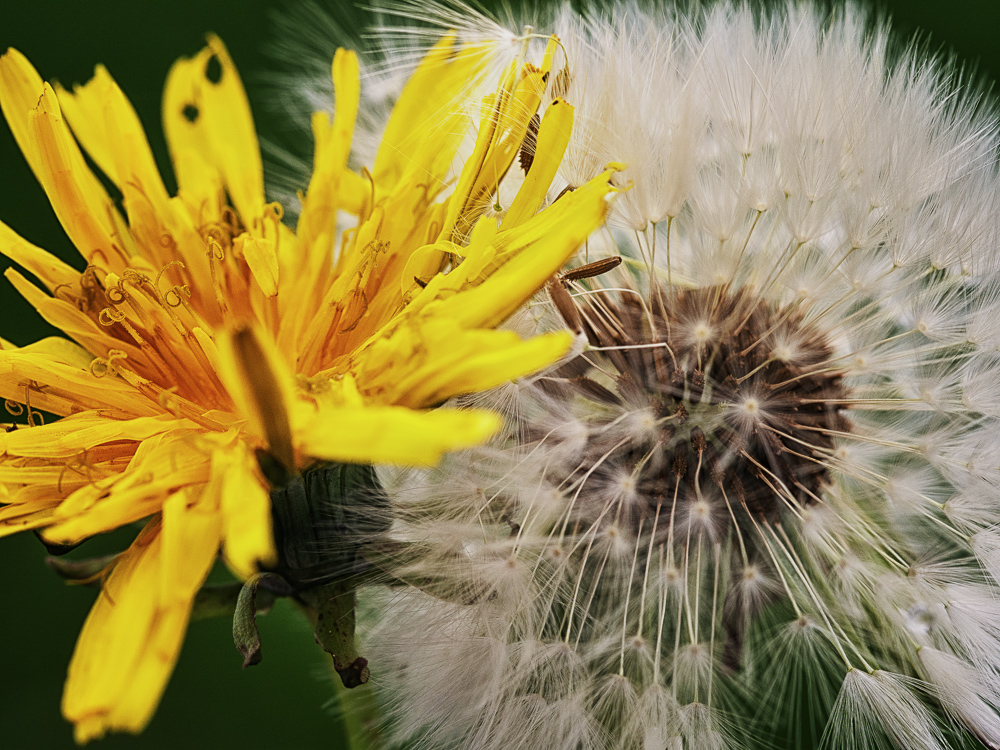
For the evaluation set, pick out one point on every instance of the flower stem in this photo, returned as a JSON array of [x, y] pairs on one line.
[[359, 714]]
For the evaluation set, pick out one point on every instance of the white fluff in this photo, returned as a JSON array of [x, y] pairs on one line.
[[559, 597]]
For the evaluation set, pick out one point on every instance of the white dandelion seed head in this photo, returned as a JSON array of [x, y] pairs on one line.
[[758, 504]]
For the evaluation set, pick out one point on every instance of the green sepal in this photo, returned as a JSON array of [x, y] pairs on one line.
[[333, 604], [323, 518], [87, 572], [245, 633], [53, 548]]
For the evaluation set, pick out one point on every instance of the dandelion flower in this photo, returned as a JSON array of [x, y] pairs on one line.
[[759, 506], [206, 339]]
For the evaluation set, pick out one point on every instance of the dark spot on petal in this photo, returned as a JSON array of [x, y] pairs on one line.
[[190, 112], [213, 69]]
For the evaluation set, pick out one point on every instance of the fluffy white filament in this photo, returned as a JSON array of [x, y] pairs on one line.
[[555, 596]]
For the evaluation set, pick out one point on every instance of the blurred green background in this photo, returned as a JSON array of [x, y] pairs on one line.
[[211, 702]]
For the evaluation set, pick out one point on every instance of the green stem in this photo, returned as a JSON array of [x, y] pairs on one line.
[[331, 609], [359, 715]]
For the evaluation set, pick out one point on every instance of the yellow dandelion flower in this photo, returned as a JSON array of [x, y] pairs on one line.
[[205, 331]]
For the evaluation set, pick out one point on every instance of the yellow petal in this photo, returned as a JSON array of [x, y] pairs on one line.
[[550, 145], [526, 256], [393, 435], [69, 385], [22, 515], [332, 148], [207, 120], [60, 349], [472, 361], [161, 465], [260, 256], [105, 123], [75, 434], [426, 127], [81, 204], [246, 511], [43, 264], [503, 126], [259, 382], [191, 534], [67, 317], [130, 641]]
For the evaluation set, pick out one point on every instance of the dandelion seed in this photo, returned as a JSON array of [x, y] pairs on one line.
[[770, 475]]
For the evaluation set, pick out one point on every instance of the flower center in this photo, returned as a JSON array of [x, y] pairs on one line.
[[744, 398]]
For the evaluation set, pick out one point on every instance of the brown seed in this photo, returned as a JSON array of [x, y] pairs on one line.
[[526, 157], [590, 270], [565, 305]]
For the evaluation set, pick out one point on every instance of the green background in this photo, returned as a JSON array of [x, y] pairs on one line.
[[210, 702]]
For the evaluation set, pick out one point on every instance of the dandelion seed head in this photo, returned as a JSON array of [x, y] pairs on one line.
[[766, 479]]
